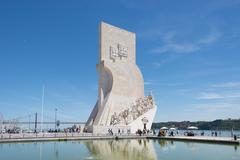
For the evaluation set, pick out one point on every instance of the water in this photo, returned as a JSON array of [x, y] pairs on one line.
[[119, 150]]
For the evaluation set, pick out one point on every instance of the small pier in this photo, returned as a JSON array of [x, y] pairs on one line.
[[206, 139], [63, 137], [17, 138]]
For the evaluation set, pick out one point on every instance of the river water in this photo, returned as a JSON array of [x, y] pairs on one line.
[[118, 150]]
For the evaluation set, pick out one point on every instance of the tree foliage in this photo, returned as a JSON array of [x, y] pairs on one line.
[[218, 124]]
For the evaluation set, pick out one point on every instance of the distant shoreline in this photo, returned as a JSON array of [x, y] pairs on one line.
[[219, 124]]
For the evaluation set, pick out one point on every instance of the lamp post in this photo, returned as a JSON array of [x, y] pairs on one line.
[[1, 122], [55, 119], [35, 123]]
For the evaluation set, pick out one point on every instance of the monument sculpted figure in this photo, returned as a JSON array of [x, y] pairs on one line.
[[121, 102]]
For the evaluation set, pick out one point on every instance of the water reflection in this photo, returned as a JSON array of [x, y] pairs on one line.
[[119, 150], [166, 145], [235, 148], [141, 149], [40, 151], [56, 152]]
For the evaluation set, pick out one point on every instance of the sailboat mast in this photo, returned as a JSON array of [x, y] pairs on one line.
[[42, 108]]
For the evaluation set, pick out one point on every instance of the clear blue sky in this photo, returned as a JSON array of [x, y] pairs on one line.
[[188, 51]]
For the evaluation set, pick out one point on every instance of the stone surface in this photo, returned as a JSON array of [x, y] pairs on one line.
[[121, 102]]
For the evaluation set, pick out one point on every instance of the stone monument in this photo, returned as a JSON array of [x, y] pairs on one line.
[[121, 105]]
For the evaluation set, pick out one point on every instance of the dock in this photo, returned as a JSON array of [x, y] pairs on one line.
[[206, 139], [17, 138], [63, 137]]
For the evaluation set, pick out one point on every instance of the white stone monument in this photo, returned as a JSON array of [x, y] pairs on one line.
[[121, 105]]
